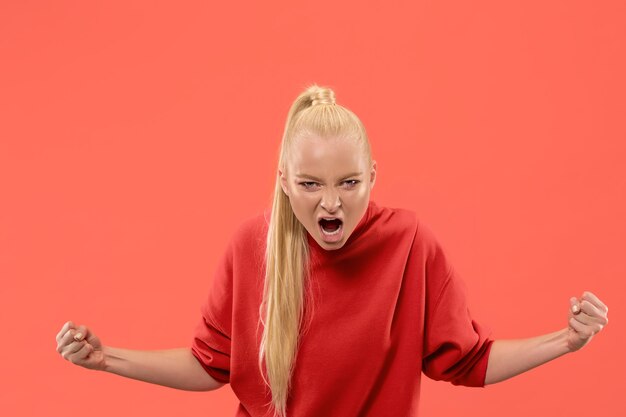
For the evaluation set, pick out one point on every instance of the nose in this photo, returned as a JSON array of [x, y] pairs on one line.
[[330, 202]]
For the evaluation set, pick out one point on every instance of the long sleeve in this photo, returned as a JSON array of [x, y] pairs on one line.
[[456, 347], [211, 343]]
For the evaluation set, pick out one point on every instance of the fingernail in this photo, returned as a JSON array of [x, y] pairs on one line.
[[575, 308], [78, 335]]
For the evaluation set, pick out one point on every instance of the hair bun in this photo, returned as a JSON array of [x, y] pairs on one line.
[[321, 95]]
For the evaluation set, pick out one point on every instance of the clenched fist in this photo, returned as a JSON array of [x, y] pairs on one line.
[[587, 317], [81, 347]]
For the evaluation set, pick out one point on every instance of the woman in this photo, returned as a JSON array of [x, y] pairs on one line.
[[329, 304]]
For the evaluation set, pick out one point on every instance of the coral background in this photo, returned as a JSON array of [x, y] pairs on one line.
[[136, 135]]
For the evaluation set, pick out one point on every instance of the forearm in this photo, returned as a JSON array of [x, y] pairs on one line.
[[508, 358], [175, 368]]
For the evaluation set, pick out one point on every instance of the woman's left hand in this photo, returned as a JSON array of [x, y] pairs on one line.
[[587, 317]]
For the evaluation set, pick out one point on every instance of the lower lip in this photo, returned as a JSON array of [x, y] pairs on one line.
[[333, 238]]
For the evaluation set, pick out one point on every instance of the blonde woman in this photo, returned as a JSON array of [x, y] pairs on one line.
[[329, 304]]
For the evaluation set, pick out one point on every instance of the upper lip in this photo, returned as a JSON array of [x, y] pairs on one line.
[[329, 218]]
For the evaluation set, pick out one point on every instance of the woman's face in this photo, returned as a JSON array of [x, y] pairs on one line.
[[328, 178]]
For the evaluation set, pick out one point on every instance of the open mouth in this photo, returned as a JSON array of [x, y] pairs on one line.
[[330, 226]]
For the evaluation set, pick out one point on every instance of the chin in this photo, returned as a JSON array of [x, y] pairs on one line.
[[332, 246], [327, 246]]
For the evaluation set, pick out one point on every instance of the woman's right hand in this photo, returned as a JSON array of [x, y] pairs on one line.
[[81, 347]]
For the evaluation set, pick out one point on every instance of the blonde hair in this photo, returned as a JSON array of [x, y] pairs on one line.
[[282, 311]]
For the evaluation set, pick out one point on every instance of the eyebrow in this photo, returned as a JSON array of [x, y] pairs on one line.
[[354, 174]]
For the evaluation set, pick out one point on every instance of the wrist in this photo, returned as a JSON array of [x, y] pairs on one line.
[[564, 339], [110, 360]]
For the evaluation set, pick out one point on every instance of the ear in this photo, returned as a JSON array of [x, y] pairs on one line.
[[373, 175], [283, 182]]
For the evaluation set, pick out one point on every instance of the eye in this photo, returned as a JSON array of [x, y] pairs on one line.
[[352, 183], [307, 184]]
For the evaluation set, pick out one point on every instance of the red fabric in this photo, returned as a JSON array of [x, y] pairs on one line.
[[388, 305]]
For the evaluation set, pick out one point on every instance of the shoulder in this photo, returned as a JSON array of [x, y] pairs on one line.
[[393, 220], [253, 224], [251, 232], [425, 234], [432, 250], [398, 221]]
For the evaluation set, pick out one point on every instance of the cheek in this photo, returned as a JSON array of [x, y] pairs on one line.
[[303, 197], [301, 203], [356, 198]]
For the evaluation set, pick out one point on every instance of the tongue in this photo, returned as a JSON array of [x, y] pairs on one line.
[[330, 225]]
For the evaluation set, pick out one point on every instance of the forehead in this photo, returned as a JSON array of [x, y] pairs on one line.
[[323, 156]]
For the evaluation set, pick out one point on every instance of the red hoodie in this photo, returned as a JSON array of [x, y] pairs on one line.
[[388, 305]]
